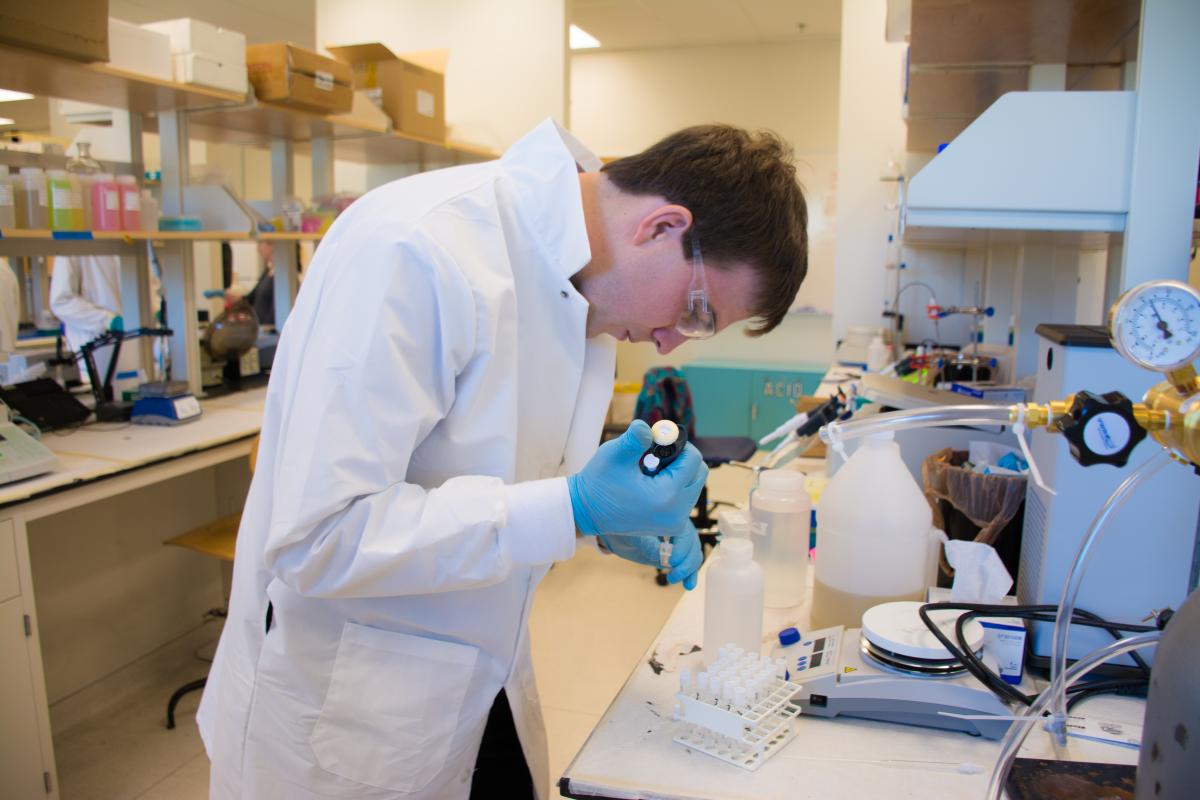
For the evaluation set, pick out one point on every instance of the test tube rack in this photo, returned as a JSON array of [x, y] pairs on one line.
[[744, 733]]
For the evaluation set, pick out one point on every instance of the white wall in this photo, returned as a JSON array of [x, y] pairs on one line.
[[870, 135], [507, 60], [624, 101]]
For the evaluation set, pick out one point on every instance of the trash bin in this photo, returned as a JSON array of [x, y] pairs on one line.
[[975, 507]]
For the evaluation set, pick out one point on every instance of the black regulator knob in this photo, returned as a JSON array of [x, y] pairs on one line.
[[1101, 429]]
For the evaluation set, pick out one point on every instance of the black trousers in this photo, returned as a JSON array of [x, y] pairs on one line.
[[500, 769]]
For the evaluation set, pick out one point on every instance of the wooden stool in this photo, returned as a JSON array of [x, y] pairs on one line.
[[219, 540]]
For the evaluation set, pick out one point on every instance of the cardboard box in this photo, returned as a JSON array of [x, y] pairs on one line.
[[194, 36], [411, 94], [133, 48], [292, 76], [202, 70], [76, 29]]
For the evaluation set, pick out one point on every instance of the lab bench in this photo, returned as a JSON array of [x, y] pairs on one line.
[[83, 546], [630, 753]]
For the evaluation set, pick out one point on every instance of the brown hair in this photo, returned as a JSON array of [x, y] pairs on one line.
[[745, 201]]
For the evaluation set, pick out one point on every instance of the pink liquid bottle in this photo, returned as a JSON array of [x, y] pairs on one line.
[[106, 203]]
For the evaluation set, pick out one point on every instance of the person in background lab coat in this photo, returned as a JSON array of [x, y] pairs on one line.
[[85, 294], [429, 449], [10, 309]]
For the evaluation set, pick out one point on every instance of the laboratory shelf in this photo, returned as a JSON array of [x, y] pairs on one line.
[[364, 136], [259, 124], [126, 236], [288, 236], [50, 76]]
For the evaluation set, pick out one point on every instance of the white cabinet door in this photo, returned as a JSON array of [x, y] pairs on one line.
[[21, 768]]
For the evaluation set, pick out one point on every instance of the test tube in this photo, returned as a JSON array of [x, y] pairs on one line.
[[780, 668], [727, 695], [685, 680], [739, 698], [714, 688], [702, 687]]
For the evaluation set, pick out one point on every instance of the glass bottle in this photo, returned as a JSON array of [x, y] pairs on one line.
[[84, 166]]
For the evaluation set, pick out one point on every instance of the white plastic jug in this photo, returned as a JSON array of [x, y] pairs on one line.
[[733, 600], [782, 514], [873, 536]]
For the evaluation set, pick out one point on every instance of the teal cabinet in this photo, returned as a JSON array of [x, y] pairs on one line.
[[733, 398]]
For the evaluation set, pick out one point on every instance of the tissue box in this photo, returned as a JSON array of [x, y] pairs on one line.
[[290, 75], [132, 48], [412, 95]]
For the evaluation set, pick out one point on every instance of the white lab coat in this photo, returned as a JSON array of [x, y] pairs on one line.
[[431, 382], [10, 309], [85, 294]]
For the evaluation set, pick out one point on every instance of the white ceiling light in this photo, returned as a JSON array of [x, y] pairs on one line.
[[6, 121], [8, 95], [581, 39]]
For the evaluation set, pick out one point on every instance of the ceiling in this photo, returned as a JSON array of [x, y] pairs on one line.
[[631, 24]]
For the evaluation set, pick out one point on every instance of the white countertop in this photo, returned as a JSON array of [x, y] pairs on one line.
[[630, 753], [104, 449]]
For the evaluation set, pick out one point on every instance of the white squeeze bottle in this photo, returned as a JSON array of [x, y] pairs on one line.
[[781, 505], [733, 600], [872, 536]]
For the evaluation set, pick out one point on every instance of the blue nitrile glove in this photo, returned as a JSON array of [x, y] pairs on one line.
[[117, 323], [686, 553], [611, 495]]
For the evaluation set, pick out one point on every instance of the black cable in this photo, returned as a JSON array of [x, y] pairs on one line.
[[1125, 688], [1038, 613]]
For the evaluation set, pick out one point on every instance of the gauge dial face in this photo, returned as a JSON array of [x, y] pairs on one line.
[[1157, 325]]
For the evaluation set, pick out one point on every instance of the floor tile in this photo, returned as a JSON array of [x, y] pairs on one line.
[[189, 782]]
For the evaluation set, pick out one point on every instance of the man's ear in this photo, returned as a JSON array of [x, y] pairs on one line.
[[670, 221]]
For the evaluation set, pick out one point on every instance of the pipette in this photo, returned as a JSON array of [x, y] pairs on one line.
[[669, 441]]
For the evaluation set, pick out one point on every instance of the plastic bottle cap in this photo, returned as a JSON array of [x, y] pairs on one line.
[[781, 481], [737, 549], [789, 636], [664, 432]]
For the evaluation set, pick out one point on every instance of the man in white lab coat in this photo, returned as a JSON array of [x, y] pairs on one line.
[[429, 448], [85, 294]]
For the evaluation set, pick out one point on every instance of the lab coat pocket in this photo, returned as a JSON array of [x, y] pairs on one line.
[[392, 707]]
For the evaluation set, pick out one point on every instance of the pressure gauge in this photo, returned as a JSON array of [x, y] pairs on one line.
[[1157, 325]]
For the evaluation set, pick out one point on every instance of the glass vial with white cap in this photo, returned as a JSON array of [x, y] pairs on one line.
[[733, 600], [782, 514]]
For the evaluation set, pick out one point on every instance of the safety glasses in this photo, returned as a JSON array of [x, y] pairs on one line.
[[698, 321]]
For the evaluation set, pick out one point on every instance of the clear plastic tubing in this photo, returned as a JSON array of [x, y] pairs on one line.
[[1066, 605], [939, 416], [1020, 728]]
